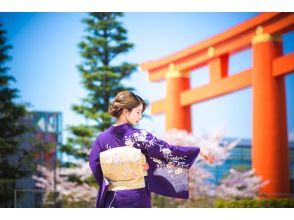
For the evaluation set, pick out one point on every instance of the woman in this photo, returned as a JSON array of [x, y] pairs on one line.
[[164, 168]]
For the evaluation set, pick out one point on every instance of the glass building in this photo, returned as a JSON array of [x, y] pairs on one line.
[[48, 130]]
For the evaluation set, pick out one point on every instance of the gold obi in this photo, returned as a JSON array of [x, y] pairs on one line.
[[123, 168]]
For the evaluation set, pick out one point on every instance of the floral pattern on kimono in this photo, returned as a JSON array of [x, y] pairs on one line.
[[169, 164]]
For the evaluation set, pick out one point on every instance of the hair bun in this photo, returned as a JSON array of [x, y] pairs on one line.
[[114, 110]]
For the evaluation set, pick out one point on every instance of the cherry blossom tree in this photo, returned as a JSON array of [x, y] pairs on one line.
[[239, 185], [68, 190]]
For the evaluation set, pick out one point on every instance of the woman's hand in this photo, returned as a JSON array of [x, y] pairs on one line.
[[207, 156], [145, 166]]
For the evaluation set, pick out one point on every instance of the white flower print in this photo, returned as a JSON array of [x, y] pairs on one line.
[[107, 146], [156, 160], [136, 134], [166, 151], [178, 171], [129, 142], [140, 136], [170, 162]]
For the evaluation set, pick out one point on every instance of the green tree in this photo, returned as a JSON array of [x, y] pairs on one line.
[[19, 145], [102, 77], [14, 161], [10, 128]]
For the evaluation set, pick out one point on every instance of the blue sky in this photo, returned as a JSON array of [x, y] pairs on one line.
[[45, 55]]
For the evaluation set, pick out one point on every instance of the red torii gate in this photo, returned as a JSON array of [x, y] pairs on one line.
[[270, 136]]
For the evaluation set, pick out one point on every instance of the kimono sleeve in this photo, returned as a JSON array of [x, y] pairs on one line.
[[95, 166], [94, 162], [169, 165], [161, 151]]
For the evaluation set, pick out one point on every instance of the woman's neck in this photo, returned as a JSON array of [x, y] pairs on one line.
[[120, 122]]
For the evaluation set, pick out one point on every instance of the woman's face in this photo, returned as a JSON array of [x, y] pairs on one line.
[[135, 115]]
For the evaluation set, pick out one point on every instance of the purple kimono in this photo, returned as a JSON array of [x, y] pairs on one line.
[[168, 167]]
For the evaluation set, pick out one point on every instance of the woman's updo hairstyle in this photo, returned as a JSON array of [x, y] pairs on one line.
[[125, 100]]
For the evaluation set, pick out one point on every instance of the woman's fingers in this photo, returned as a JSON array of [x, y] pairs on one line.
[[146, 166], [210, 158]]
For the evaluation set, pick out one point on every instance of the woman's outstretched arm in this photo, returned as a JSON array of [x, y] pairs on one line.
[[169, 154]]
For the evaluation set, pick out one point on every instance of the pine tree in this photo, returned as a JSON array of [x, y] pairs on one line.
[[106, 39], [19, 144], [14, 162]]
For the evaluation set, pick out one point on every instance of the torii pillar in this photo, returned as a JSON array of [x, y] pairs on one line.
[[270, 141], [177, 116]]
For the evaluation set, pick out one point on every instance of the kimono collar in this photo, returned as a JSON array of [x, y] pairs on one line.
[[120, 129]]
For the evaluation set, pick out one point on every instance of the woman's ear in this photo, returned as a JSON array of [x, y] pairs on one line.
[[125, 112]]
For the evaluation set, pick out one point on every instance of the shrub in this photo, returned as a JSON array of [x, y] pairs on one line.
[[255, 203]]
